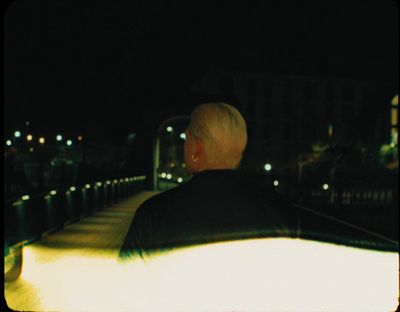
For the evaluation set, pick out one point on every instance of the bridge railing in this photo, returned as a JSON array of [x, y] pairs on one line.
[[373, 206], [32, 216]]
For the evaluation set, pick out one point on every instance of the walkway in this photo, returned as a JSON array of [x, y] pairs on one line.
[[98, 236]]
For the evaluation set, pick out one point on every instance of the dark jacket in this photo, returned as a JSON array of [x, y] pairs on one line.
[[215, 205]]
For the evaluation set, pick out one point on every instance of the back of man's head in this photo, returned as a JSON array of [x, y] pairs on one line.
[[223, 131]]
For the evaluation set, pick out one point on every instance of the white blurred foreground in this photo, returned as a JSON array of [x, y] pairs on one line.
[[252, 275]]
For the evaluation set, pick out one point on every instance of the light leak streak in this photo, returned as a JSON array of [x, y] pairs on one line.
[[252, 275]]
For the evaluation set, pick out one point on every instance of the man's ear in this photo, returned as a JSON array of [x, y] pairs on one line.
[[199, 148]]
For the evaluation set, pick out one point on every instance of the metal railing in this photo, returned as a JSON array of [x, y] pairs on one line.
[[33, 216]]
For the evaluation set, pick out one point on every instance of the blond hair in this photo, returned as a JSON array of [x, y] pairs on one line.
[[223, 131]]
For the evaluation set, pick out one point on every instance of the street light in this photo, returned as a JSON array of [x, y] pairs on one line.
[[69, 142], [29, 137], [183, 136], [8, 142], [156, 146], [267, 167], [59, 138], [42, 140], [17, 134]]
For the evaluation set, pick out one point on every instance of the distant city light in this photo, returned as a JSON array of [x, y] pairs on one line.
[[169, 129], [169, 176], [59, 138], [395, 100], [8, 142], [330, 131], [325, 186], [42, 140], [183, 136], [31, 149], [69, 142], [268, 167], [17, 134], [163, 175], [29, 137], [80, 138], [126, 179], [180, 180], [72, 188], [121, 180], [27, 123], [98, 184], [87, 186], [25, 197], [108, 182], [53, 192], [276, 183], [183, 165], [115, 181], [392, 144]]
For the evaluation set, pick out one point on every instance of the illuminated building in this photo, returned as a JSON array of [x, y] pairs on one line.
[[290, 109]]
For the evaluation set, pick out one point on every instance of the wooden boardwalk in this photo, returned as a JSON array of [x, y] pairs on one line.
[[98, 236]]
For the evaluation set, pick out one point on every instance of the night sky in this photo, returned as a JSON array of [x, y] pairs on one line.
[[123, 66]]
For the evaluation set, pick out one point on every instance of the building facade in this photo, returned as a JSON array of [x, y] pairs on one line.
[[288, 114]]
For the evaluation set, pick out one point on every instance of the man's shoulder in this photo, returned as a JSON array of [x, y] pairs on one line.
[[165, 198]]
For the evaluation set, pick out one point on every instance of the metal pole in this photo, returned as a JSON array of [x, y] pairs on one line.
[[156, 149], [156, 160]]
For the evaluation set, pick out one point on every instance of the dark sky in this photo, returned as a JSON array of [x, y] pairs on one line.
[[122, 65]]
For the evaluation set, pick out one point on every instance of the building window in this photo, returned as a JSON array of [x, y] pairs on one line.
[[308, 128], [310, 90], [266, 132], [308, 119], [287, 109], [348, 93], [287, 132], [347, 113], [251, 109], [267, 110], [329, 112], [394, 120], [226, 86], [268, 88], [287, 90], [250, 129], [251, 87], [330, 90], [309, 109]]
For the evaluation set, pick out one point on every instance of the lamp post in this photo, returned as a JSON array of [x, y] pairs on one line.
[[156, 147]]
